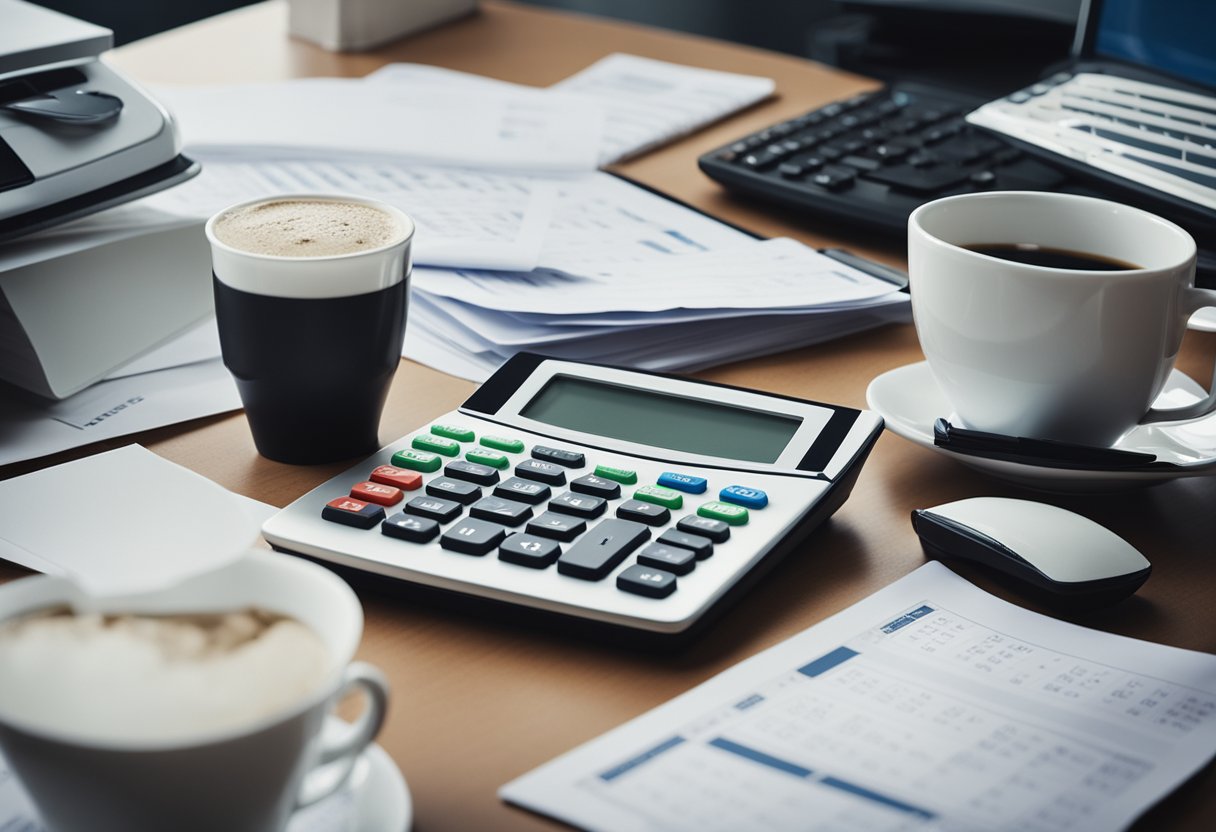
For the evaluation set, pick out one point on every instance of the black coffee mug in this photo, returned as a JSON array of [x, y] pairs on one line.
[[313, 342]]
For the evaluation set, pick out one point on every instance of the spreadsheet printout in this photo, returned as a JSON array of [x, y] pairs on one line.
[[929, 705]]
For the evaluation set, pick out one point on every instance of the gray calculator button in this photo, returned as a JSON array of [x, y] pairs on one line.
[[529, 550], [507, 512], [458, 490], [580, 505], [473, 537], [526, 491], [716, 530], [702, 547], [411, 528], [602, 549], [435, 508], [596, 486], [471, 472], [557, 526], [671, 558], [568, 459], [646, 580], [643, 512], [546, 472]]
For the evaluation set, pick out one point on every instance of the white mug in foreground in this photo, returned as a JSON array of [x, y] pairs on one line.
[[1066, 354], [245, 779]]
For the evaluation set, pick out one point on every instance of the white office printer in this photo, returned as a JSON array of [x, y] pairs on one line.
[[75, 136]]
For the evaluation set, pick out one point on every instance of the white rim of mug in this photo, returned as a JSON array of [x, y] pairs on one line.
[[325, 690], [406, 223], [914, 222]]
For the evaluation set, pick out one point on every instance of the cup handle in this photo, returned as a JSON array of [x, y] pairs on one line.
[[1193, 299], [339, 754]]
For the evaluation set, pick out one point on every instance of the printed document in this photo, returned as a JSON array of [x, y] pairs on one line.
[[929, 705]]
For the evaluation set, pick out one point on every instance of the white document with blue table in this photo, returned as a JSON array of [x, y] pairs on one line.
[[929, 705]]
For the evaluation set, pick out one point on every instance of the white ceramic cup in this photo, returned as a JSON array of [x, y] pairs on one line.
[[246, 780], [1065, 354]]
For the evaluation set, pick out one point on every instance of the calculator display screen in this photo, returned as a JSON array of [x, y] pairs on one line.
[[695, 426]]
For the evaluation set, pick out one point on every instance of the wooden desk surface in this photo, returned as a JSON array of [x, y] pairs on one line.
[[477, 703]]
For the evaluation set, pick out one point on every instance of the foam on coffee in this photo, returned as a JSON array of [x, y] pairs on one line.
[[307, 228], [161, 678]]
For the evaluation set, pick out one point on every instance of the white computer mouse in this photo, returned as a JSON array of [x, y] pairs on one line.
[[1065, 556]]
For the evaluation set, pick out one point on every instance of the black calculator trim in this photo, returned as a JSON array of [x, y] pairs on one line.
[[488, 399]]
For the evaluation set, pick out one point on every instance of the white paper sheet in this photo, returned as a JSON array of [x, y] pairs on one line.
[[31, 427], [199, 343], [929, 705], [486, 127], [139, 523], [649, 103], [466, 217]]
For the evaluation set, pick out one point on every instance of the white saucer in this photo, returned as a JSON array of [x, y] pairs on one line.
[[909, 399], [1204, 320]]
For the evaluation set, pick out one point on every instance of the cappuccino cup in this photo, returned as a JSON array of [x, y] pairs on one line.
[[242, 762], [310, 299], [1050, 315]]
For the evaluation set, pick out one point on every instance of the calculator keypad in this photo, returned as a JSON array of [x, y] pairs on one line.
[[532, 521]]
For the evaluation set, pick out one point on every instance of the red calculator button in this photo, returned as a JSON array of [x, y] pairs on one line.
[[398, 477], [351, 512], [385, 495]]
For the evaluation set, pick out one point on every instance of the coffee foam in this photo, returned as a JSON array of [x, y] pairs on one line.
[[155, 678], [307, 228]]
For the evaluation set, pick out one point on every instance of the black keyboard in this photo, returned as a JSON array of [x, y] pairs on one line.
[[874, 158]]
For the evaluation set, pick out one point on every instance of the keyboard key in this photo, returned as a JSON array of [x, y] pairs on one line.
[[507, 512], [471, 472], [715, 530], [546, 472], [503, 443], [660, 496], [683, 482], [579, 505], [727, 513], [671, 558], [700, 546], [457, 432], [458, 490], [526, 491], [568, 459], [557, 526], [647, 581], [373, 492], [791, 170], [861, 162], [351, 512], [473, 537], [982, 179], [491, 458], [602, 549], [919, 181], [642, 512], [436, 445], [396, 477], [411, 528], [435, 508], [834, 178], [622, 475], [529, 550], [417, 460], [741, 495], [596, 486]]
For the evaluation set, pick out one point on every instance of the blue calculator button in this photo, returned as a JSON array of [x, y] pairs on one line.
[[743, 496], [683, 482]]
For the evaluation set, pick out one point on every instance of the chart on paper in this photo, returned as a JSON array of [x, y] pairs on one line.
[[931, 716]]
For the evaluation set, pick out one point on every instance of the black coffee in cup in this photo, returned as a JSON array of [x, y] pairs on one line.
[[310, 297], [1050, 258]]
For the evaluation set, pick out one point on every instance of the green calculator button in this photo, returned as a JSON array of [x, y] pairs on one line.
[[417, 461], [491, 458], [659, 495], [453, 432], [734, 515], [503, 443], [622, 475], [436, 444]]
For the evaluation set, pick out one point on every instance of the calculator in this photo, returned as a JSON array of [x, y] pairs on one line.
[[611, 497]]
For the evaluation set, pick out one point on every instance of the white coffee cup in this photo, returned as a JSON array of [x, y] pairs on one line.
[[246, 780], [1066, 354]]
